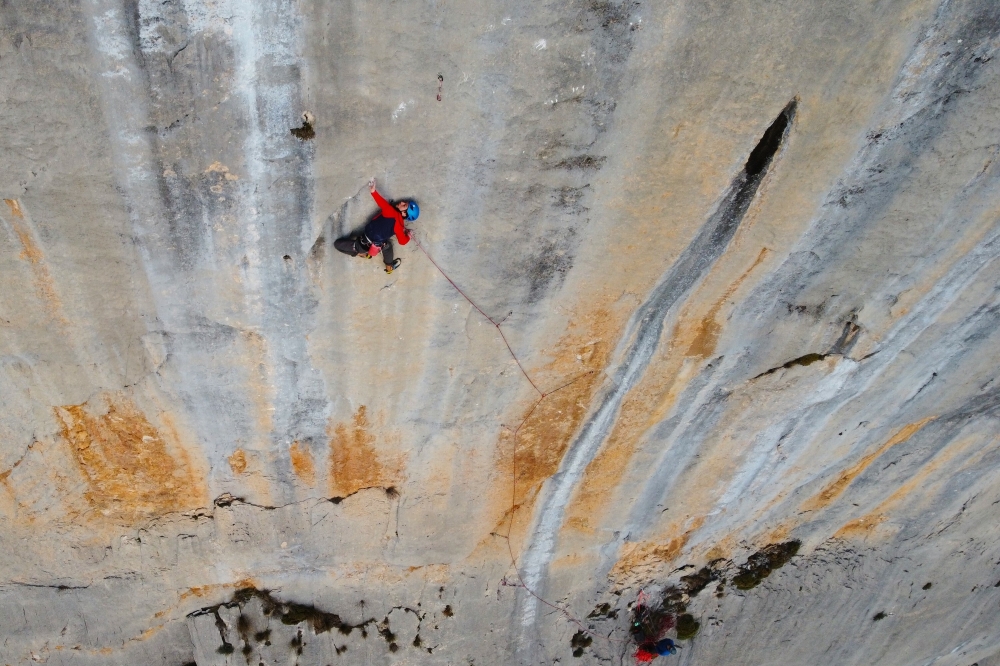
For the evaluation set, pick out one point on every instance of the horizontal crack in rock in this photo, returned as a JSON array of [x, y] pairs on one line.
[[808, 359], [46, 586], [227, 499]]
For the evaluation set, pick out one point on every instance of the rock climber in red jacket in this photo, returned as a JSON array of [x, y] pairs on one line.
[[378, 233]]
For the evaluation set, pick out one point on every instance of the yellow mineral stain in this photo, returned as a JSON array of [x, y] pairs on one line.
[[302, 463], [495, 542], [550, 424], [863, 526], [6, 474], [605, 471], [197, 591], [838, 486], [920, 479], [648, 404], [148, 633], [220, 168], [860, 527], [45, 287], [246, 466], [169, 427], [580, 524], [355, 462], [238, 461], [201, 590], [11, 504], [132, 470], [545, 435], [8, 500], [15, 208], [778, 534], [706, 335], [640, 556], [644, 554], [722, 549]]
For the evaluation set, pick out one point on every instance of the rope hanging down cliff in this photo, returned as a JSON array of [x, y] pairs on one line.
[[542, 395]]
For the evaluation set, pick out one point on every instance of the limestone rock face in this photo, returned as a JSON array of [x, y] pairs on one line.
[[696, 337]]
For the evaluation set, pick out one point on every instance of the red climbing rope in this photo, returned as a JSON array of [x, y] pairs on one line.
[[488, 318], [513, 498]]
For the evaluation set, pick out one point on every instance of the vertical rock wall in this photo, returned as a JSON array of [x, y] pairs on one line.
[[742, 256]]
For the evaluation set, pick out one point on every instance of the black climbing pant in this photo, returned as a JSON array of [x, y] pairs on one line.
[[356, 246]]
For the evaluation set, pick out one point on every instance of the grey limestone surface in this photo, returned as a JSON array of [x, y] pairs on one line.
[[639, 340]]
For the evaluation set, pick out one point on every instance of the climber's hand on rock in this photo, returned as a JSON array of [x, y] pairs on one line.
[[371, 185]]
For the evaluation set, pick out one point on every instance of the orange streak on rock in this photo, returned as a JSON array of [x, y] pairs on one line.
[[862, 526], [646, 405], [197, 591], [779, 533], [247, 467], [605, 471], [355, 462], [15, 208], [238, 461], [132, 470], [722, 549], [546, 433], [201, 590], [302, 463], [707, 332], [44, 284], [834, 490], [648, 556], [643, 554]]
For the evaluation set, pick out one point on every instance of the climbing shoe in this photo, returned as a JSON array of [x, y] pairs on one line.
[[393, 266]]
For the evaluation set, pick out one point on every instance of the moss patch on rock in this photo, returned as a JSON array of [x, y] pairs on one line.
[[761, 564]]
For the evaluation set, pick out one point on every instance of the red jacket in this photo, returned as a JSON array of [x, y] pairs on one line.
[[389, 211]]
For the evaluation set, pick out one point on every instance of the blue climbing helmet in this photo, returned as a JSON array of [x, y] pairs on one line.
[[666, 646], [412, 211]]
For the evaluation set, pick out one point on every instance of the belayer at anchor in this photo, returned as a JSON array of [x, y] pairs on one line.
[[378, 233], [649, 651]]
